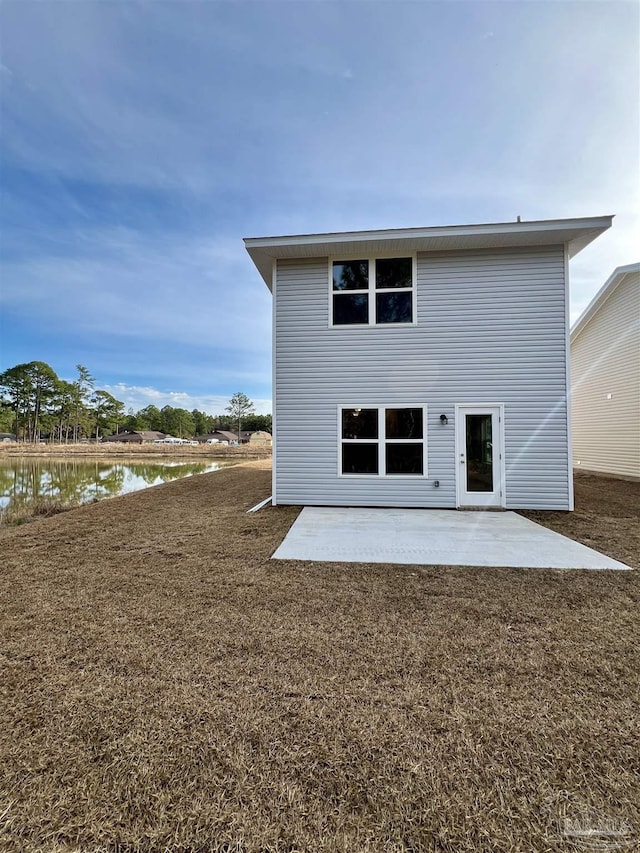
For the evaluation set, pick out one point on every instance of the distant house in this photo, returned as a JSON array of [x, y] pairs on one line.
[[135, 437], [423, 367], [222, 436], [605, 378], [227, 436]]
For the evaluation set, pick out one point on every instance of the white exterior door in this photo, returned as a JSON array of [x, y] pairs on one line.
[[479, 456]]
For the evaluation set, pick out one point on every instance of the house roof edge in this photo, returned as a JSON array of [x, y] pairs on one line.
[[429, 230], [602, 295], [575, 233]]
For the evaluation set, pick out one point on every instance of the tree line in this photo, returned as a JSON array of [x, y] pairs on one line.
[[36, 404]]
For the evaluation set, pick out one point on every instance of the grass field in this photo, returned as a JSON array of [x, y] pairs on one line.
[[164, 686]]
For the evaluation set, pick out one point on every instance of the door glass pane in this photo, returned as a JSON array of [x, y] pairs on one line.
[[403, 423], [404, 458], [359, 458], [350, 275], [359, 423], [479, 453]]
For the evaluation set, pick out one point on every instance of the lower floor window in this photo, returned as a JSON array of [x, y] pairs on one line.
[[383, 441]]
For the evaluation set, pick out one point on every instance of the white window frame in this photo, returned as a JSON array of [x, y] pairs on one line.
[[371, 290], [382, 441]]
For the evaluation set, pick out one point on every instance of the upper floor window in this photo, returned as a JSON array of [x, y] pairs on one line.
[[372, 291]]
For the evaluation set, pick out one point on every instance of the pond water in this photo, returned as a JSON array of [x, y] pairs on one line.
[[72, 481]]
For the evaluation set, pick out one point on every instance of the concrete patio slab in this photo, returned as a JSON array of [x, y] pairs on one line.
[[434, 538]]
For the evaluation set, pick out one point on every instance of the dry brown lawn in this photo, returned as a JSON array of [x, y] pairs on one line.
[[164, 686]]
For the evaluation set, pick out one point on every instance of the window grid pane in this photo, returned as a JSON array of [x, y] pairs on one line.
[[350, 309], [359, 457], [394, 306], [403, 423], [405, 458], [360, 423], [394, 272], [350, 275]]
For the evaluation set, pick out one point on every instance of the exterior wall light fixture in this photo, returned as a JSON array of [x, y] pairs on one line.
[[444, 420]]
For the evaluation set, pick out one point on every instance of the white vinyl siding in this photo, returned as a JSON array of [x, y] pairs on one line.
[[490, 327], [605, 379]]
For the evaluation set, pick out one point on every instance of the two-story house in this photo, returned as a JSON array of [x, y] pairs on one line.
[[423, 367]]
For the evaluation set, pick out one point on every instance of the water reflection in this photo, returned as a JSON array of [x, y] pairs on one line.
[[79, 481]]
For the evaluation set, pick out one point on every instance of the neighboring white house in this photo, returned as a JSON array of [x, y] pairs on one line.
[[605, 378], [423, 367]]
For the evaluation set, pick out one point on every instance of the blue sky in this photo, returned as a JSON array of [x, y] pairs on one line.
[[142, 140]]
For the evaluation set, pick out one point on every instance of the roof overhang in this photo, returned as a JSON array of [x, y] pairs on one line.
[[575, 234], [615, 280]]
